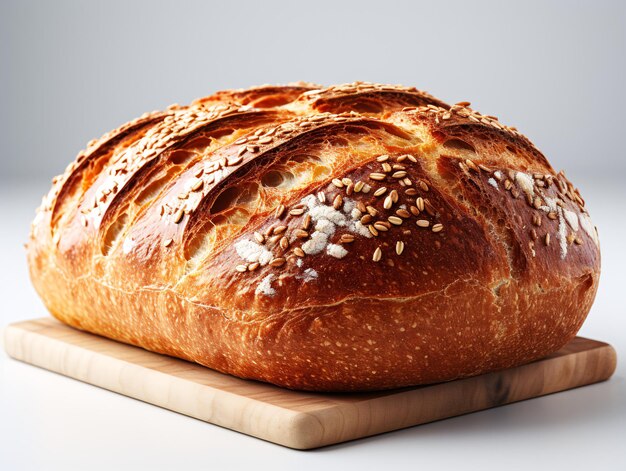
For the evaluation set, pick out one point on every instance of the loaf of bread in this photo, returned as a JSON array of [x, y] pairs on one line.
[[349, 238]]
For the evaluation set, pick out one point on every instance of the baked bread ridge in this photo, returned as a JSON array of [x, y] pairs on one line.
[[348, 238]]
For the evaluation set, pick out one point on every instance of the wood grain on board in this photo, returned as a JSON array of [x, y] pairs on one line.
[[295, 419]]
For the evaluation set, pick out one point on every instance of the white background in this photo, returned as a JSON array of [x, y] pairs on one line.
[[70, 71]]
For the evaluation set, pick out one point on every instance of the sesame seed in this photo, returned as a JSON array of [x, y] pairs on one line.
[[279, 229], [297, 211], [278, 262], [338, 183], [197, 185], [259, 237], [401, 158], [373, 230], [471, 165], [346, 238], [399, 247], [437, 227], [414, 210], [337, 202], [395, 220], [298, 251], [533, 234], [241, 268], [253, 266], [380, 191], [349, 189], [578, 241], [552, 215], [301, 234], [382, 158], [386, 167], [379, 226], [423, 185], [536, 219], [280, 210], [407, 181], [394, 196], [484, 168], [378, 254], [420, 203], [358, 186], [234, 160], [178, 216], [284, 243], [377, 176], [306, 223], [266, 140], [388, 203], [168, 242], [275, 238], [423, 223], [252, 148], [366, 219], [547, 239], [372, 211], [430, 209], [361, 207], [403, 213], [321, 196], [411, 191], [399, 174], [507, 185]]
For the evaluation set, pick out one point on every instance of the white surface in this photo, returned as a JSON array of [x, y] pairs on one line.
[[51, 422]]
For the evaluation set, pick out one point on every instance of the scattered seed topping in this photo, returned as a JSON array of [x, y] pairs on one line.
[[395, 220], [382, 158], [399, 247], [378, 254], [278, 262], [280, 210], [301, 234], [380, 191], [377, 176], [423, 223], [388, 203], [338, 202], [346, 238], [437, 227], [178, 216], [338, 183], [167, 242]]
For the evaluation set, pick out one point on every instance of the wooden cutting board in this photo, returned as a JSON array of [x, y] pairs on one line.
[[295, 419]]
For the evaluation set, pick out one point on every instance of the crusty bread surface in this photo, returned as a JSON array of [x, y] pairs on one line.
[[347, 238]]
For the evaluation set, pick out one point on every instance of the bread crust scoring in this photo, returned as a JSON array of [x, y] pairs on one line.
[[348, 238]]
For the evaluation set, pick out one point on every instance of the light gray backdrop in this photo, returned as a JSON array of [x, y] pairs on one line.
[[73, 70], [70, 71]]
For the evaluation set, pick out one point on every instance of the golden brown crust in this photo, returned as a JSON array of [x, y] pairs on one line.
[[355, 237]]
